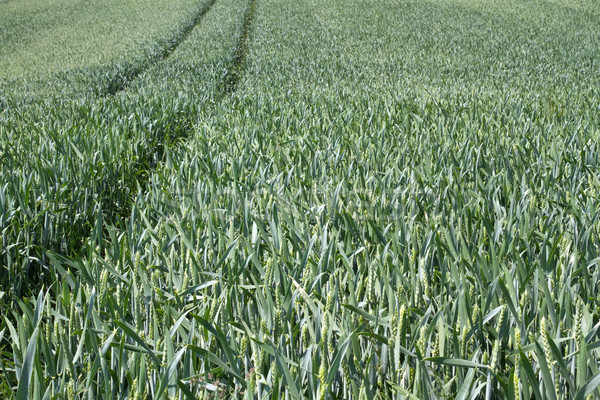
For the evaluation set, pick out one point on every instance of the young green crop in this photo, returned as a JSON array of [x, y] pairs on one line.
[[72, 164], [394, 200], [76, 41]]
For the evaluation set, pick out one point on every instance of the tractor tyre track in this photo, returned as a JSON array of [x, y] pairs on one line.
[[238, 65], [125, 78]]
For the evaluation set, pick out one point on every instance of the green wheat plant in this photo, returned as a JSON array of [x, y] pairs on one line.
[[306, 200]]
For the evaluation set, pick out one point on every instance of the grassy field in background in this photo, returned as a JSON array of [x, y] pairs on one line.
[[269, 199]]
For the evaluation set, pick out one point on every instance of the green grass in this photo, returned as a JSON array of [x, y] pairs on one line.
[[392, 200]]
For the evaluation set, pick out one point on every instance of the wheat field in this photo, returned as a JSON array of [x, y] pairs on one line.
[[299, 199]]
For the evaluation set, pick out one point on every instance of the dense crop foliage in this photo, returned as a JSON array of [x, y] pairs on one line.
[[309, 199], [73, 163], [78, 40]]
